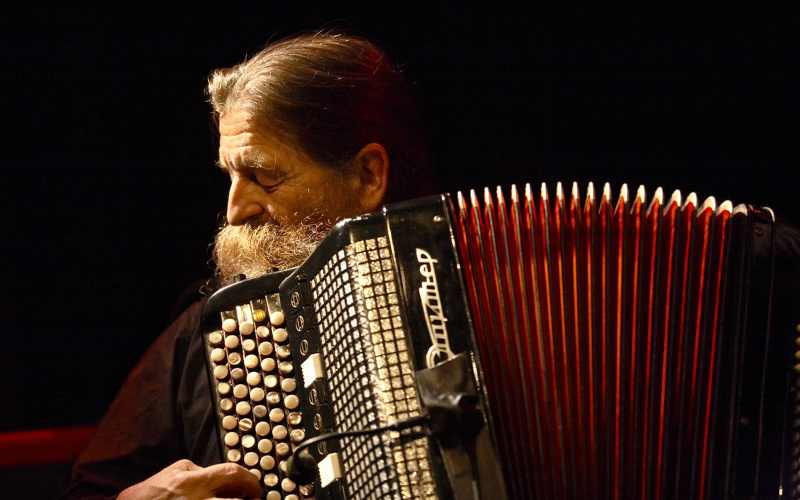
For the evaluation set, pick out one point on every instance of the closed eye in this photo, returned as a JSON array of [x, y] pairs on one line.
[[267, 175], [267, 180]]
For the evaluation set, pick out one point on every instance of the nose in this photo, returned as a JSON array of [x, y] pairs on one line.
[[244, 200]]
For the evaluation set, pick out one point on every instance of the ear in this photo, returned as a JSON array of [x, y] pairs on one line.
[[373, 172]]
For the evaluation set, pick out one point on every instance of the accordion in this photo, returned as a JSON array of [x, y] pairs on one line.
[[537, 348]]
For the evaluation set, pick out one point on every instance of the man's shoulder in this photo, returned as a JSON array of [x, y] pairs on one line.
[[195, 293]]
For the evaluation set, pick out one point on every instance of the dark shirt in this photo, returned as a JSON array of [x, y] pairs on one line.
[[161, 415]]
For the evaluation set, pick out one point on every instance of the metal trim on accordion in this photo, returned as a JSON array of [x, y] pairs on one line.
[[556, 349]]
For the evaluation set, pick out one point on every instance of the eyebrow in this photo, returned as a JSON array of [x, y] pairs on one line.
[[259, 162]]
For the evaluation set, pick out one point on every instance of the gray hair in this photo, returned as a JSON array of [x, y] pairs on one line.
[[330, 95]]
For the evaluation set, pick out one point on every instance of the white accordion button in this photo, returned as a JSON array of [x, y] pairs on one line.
[[268, 364], [288, 385], [295, 419], [280, 335], [280, 432], [330, 469], [267, 462], [231, 341], [218, 355], [246, 328], [220, 372], [231, 439], [259, 411], [271, 381], [215, 338], [253, 379], [276, 415], [265, 348], [288, 485], [245, 425], [243, 408], [285, 367], [265, 445], [251, 360], [234, 456], [240, 391], [312, 369], [297, 435], [277, 318], [229, 325], [262, 429], [250, 459], [262, 332], [257, 395], [248, 441], [291, 402], [229, 422]]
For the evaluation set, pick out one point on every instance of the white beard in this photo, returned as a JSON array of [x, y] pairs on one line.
[[254, 248]]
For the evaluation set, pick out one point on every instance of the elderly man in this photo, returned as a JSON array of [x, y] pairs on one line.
[[312, 130]]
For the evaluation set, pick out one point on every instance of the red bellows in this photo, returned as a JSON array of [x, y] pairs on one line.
[[598, 326]]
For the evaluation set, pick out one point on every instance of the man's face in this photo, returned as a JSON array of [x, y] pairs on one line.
[[281, 202], [274, 181]]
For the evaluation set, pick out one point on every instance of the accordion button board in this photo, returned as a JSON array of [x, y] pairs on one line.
[[328, 348], [255, 393]]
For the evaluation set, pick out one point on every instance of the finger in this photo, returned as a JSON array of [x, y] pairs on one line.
[[227, 498], [239, 496], [184, 464], [232, 479]]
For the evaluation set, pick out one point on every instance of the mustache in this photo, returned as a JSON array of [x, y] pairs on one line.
[[260, 245]]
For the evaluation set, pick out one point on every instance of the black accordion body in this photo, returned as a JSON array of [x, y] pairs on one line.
[[548, 348]]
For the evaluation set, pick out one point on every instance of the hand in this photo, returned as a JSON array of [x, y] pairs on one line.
[[184, 480]]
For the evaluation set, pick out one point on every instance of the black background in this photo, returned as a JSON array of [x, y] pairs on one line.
[[110, 195]]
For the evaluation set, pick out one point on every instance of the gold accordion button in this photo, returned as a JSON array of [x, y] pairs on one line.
[[259, 315]]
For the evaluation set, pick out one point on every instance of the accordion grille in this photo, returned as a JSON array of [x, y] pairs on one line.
[[367, 361]]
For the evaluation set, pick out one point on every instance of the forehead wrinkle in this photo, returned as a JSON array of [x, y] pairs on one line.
[[249, 159]]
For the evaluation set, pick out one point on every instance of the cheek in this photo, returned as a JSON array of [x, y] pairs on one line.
[[284, 212], [295, 206], [325, 198], [341, 199]]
